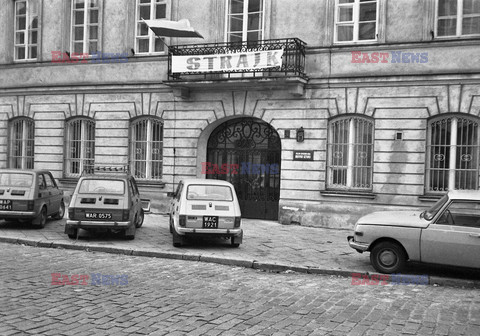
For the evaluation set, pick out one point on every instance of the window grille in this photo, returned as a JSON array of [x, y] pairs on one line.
[[146, 40], [458, 18], [22, 143], [85, 26], [80, 154], [350, 154], [26, 29], [147, 148], [452, 154], [356, 20]]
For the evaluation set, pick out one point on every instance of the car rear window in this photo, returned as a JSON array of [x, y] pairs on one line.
[[209, 192], [92, 186], [16, 179]]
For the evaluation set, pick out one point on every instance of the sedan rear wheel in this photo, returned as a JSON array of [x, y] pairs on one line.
[[388, 257], [41, 219], [140, 218], [61, 211]]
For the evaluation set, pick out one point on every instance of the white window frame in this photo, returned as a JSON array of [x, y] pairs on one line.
[[86, 27], [151, 35], [352, 178], [459, 16], [453, 148], [146, 147], [83, 146], [245, 30], [355, 21], [22, 143], [27, 31]]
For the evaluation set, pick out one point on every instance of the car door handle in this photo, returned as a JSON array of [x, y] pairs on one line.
[[474, 235]]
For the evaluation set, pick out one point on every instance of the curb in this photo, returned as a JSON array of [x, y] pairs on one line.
[[253, 264]]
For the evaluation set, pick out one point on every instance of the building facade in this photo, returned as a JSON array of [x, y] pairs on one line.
[[319, 111]]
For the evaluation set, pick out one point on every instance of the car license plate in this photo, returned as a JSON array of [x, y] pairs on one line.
[[210, 222], [98, 215], [5, 205]]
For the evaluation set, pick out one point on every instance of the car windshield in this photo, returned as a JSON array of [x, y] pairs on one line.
[[93, 186], [209, 192], [432, 211], [16, 179]]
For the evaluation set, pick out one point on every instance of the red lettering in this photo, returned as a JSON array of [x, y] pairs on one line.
[[366, 279], [365, 58], [385, 279], [384, 57], [205, 166], [83, 279], [355, 56], [55, 279], [374, 57], [225, 169], [65, 280], [74, 279], [234, 168], [215, 169], [356, 279], [374, 280], [57, 57]]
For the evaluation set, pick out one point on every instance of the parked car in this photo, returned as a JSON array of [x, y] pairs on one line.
[[447, 233], [30, 195], [203, 207], [106, 200]]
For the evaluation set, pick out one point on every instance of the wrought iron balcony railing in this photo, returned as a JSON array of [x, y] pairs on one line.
[[292, 63]]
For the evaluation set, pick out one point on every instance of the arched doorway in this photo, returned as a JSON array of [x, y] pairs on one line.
[[249, 151]]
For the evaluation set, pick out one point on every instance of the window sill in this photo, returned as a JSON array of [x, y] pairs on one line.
[[345, 193], [429, 198], [150, 183]]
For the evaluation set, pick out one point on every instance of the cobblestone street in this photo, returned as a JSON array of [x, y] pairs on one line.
[[174, 297]]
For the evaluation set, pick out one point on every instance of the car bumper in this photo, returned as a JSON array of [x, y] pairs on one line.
[[360, 247], [212, 232], [97, 224], [17, 214]]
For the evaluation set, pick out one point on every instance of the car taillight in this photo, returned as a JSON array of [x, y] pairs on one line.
[[71, 212], [238, 221], [125, 215], [182, 220], [30, 205]]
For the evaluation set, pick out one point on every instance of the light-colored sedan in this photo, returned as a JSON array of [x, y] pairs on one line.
[[447, 233], [203, 207]]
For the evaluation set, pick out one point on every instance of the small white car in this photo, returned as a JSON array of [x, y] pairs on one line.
[[203, 207], [447, 233]]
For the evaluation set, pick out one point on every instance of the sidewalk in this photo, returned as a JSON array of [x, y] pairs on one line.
[[266, 245]]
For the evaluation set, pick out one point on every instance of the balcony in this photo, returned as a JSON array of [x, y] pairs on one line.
[[253, 64]]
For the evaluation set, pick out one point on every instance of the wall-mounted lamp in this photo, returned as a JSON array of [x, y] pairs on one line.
[[300, 134]]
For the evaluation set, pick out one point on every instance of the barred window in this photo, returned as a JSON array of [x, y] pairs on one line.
[[355, 20], [26, 29], [458, 18], [80, 152], [452, 154], [85, 26], [245, 20], [22, 143], [146, 41], [147, 148], [350, 153]]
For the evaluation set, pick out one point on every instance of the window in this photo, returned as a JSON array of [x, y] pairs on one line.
[[26, 30], [85, 26], [452, 154], [458, 18], [22, 135], [350, 153], [146, 41], [80, 152], [49, 181], [245, 20], [355, 20], [147, 147]]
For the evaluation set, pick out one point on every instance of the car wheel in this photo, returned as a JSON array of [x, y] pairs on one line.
[[388, 257], [171, 225], [41, 219], [140, 218], [73, 234], [61, 211]]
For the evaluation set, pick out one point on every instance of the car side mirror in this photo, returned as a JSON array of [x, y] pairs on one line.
[[171, 194]]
